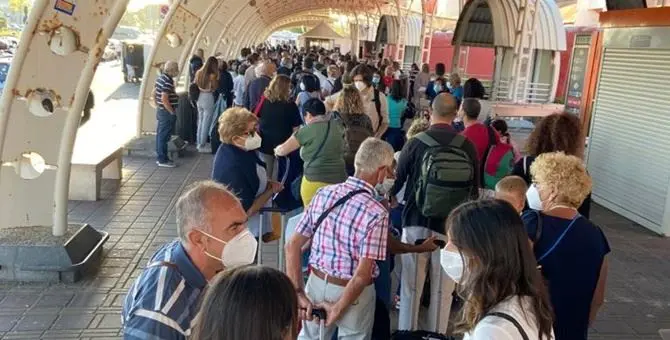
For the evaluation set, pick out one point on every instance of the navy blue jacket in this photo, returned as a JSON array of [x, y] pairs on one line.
[[254, 92], [236, 168]]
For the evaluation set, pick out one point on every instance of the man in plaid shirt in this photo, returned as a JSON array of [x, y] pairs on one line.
[[349, 230]]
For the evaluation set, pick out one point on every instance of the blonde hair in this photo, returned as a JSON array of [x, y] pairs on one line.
[[418, 125], [349, 101], [564, 175], [279, 89], [512, 185], [234, 122]]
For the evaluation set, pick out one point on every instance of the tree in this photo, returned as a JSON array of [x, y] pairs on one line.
[[17, 6], [20, 7]]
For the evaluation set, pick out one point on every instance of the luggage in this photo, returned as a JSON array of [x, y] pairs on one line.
[[419, 335], [214, 139], [446, 178], [187, 119], [271, 212]]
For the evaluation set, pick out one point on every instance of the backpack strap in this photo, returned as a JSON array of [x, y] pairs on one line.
[[538, 229], [378, 107], [427, 139], [318, 151], [339, 202], [512, 320], [257, 109]]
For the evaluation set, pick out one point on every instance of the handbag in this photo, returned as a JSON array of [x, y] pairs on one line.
[[295, 185]]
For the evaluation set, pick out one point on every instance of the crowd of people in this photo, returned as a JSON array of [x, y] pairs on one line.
[[503, 241]]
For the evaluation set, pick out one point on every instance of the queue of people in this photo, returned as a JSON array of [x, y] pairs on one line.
[[505, 241]]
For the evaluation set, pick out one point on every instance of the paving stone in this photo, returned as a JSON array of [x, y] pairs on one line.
[[35, 322], [128, 246], [60, 300], [18, 301], [8, 322], [110, 321], [88, 300], [73, 321]]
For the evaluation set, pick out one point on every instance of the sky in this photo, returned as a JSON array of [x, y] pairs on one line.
[[136, 5]]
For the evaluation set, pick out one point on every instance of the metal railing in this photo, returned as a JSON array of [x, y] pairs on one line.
[[533, 93]]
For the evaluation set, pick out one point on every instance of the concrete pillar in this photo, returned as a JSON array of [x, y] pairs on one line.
[[524, 52], [355, 39]]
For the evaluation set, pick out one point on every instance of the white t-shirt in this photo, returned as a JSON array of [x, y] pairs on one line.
[[486, 112], [497, 328]]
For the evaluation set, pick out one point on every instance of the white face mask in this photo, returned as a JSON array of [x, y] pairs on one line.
[[533, 197], [302, 87], [360, 85], [253, 142], [238, 251], [448, 84], [452, 263], [384, 187]]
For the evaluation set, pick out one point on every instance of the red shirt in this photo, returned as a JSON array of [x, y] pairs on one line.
[[479, 136], [388, 81]]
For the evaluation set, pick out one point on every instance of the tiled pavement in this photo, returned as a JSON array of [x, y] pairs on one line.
[[139, 216]]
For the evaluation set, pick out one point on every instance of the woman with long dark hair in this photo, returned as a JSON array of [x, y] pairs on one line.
[[557, 132], [489, 255], [397, 104], [249, 303], [207, 79]]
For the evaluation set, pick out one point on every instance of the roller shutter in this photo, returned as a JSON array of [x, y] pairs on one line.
[[629, 147]]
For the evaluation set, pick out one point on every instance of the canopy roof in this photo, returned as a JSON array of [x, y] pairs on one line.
[[321, 31]]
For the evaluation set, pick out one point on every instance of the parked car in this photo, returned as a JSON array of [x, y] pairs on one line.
[[4, 69]]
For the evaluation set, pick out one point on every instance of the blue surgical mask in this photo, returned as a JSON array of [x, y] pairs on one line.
[[375, 80], [437, 88]]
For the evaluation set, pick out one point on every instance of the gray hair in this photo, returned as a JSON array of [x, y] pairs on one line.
[[171, 68], [373, 154], [193, 206]]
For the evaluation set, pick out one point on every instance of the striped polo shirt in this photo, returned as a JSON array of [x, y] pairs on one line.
[[164, 300], [165, 84]]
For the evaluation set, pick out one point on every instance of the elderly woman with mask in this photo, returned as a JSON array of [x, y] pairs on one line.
[[238, 166], [570, 250]]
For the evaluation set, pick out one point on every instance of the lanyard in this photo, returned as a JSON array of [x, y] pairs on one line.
[[560, 238]]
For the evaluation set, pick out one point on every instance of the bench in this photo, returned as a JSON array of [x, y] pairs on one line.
[[91, 162]]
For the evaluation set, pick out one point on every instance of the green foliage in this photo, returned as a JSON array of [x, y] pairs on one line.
[[3, 22], [4, 32], [17, 6], [147, 18]]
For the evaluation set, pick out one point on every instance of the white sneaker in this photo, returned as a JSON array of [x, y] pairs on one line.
[[168, 164], [204, 149]]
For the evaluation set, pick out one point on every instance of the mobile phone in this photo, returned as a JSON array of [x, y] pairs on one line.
[[439, 243]]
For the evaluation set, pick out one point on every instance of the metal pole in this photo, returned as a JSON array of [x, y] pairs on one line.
[[74, 115]]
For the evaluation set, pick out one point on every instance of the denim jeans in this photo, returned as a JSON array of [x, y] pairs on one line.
[[164, 129], [395, 137]]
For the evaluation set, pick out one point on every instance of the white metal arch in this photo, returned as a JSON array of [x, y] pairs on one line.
[[36, 69]]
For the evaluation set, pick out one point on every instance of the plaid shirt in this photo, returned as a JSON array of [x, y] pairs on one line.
[[356, 229]]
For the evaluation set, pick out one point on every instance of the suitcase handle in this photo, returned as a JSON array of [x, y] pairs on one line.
[[319, 313]]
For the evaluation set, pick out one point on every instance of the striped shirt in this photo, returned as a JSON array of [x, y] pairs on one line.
[[164, 300], [165, 84], [357, 229]]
